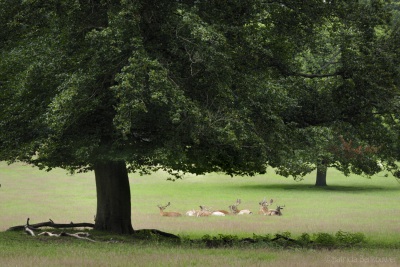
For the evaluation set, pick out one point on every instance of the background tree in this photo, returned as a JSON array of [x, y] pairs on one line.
[[347, 89]]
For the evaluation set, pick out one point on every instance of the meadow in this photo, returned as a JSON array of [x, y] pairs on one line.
[[350, 204]]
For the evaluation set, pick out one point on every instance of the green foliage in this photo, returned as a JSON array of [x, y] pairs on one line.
[[150, 237], [220, 241], [339, 95], [312, 241], [304, 239], [324, 240], [261, 238], [196, 86], [346, 239]]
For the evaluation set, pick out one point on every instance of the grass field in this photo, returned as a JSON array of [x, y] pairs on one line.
[[352, 204]]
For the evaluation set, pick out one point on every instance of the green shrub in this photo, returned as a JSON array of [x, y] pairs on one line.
[[346, 239], [304, 239], [283, 240], [324, 240], [261, 238], [286, 234], [220, 240]]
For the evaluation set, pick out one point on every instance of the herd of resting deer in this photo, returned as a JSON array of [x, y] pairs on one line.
[[233, 210]]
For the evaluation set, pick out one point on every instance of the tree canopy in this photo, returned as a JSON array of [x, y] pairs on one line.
[[196, 86], [351, 99]]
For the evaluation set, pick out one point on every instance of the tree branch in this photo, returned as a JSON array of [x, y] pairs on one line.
[[314, 75], [50, 223]]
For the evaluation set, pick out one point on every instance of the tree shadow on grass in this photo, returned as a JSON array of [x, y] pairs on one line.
[[312, 188]]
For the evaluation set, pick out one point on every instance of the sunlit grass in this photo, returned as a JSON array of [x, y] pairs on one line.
[[348, 204]]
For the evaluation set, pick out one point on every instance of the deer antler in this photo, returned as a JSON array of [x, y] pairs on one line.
[[163, 207], [203, 208]]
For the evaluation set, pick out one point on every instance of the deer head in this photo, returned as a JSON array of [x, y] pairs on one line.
[[264, 206], [234, 208], [163, 207], [204, 212]]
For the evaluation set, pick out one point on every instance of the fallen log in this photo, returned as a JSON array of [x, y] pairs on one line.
[[50, 223], [31, 228], [79, 235], [29, 231], [49, 234]]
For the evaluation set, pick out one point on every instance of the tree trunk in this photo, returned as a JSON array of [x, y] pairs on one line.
[[113, 197], [321, 175]]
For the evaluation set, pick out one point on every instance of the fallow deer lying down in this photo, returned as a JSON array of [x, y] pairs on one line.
[[207, 212], [203, 212], [236, 211], [168, 214], [217, 213], [191, 213], [277, 211], [264, 207], [223, 211]]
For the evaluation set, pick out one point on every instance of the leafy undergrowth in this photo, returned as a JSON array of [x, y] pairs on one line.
[[338, 240], [284, 240]]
